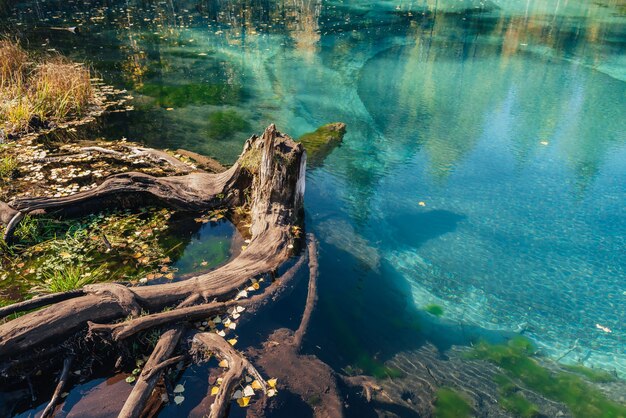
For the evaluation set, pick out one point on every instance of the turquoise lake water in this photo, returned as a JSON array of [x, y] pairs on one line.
[[484, 167]]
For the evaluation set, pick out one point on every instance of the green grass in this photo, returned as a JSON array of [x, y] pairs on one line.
[[434, 309], [451, 404], [8, 164], [583, 400], [72, 277]]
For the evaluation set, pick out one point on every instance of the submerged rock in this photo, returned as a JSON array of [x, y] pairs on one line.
[[322, 142]]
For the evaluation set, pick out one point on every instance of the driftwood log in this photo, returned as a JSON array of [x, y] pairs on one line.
[[267, 179]]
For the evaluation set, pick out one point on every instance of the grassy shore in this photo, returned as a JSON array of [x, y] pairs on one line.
[[36, 91]]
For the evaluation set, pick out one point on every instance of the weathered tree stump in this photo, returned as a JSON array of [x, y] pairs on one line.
[[268, 179]]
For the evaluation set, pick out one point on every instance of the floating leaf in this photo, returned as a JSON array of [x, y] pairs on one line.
[[223, 363], [217, 320], [136, 371], [240, 309], [271, 392], [219, 380], [179, 399], [272, 383], [243, 402], [256, 385], [179, 388], [238, 394], [214, 390], [232, 325], [248, 391], [221, 333], [130, 379], [232, 341]]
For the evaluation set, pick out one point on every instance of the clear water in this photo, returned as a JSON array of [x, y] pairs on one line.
[[484, 168]]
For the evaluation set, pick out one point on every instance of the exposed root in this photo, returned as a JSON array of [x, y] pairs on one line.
[[39, 302], [237, 366], [158, 361], [56, 396]]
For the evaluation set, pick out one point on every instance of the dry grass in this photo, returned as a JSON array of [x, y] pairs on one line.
[[51, 88]]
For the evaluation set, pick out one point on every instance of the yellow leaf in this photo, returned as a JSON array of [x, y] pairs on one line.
[[65, 255], [256, 385], [214, 390], [243, 402], [256, 286], [233, 341], [272, 383], [223, 363]]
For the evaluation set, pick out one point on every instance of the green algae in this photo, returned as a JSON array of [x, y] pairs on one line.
[[225, 123], [176, 96], [451, 404], [511, 400], [515, 358], [434, 309], [594, 375], [322, 142]]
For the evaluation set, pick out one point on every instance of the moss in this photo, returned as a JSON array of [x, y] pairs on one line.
[[594, 375], [251, 161], [434, 309], [451, 404], [583, 400], [167, 95], [226, 123], [322, 142]]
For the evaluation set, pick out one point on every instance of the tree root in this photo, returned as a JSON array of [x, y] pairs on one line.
[[157, 362], [67, 363], [237, 366], [268, 178]]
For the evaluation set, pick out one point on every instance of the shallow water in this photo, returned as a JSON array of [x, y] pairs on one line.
[[484, 168]]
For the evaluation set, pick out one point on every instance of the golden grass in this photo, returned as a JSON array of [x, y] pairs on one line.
[[52, 88]]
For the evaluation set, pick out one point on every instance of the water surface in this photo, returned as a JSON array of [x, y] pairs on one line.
[[484, 169]]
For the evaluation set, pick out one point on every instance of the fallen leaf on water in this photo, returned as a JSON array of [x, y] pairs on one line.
[[248, 391], [238, 394], [179, 388], [256, 385], [214, 390], [271, 392], [223, 363], [243, 402], [232, 341], [422, 203], [179, 399], [130, 379], [272, 383]]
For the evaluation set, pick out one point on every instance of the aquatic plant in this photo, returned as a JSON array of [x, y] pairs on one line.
[[515, 358], [594, 375], [434, 309], [451, 404], [511, 400], [225, 123], [168, 95]]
